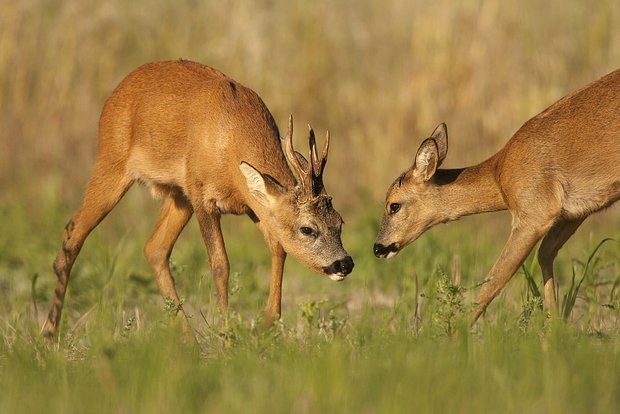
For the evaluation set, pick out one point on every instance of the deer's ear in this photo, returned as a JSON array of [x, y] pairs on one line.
[[426, 160], [264, 188], [440, 136]]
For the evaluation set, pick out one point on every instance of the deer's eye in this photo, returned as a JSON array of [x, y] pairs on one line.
[[307, 231], [394, 207]]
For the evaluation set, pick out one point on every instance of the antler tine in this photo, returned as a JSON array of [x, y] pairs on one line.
[[311, 145], [289, 154], [290, 126], [314, 156], [317, 164], [325, 151]]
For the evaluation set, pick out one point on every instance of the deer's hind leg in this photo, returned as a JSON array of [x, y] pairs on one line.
[[211, 230], [107, 185], [174, 215], [559, 233]]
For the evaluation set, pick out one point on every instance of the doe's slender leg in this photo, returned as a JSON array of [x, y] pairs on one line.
[[559, 233], [522, 239]]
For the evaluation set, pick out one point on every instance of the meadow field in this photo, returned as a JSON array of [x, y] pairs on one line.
[[393, 337]]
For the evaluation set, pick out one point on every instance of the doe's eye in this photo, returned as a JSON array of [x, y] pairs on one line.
[[394, 207], [306, 231]]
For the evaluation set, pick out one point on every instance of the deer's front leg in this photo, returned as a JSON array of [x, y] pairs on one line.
[[214, 241], [278, 256], [522, 239], [273, 310]]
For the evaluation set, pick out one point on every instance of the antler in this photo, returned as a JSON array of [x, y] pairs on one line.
[[317, 164], [291, 157], [309, 175]]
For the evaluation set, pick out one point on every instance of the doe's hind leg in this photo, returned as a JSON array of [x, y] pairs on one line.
[[559, 233]]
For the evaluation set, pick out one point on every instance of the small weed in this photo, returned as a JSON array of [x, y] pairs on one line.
[[223, 336], [128, 327], [171, 307], [533, 305], [532, 300], [315, 319], [449, 308]]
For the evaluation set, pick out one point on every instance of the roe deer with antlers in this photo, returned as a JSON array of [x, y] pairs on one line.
[[557, 169], [209, 146]]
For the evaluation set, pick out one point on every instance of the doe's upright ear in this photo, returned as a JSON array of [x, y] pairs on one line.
[[426, 160], [263, 187], [440, 136]]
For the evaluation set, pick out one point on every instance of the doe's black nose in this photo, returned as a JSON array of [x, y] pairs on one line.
[[381, 251], [378, 248]]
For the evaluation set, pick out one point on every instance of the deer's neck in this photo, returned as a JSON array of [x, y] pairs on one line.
[[470, 190]]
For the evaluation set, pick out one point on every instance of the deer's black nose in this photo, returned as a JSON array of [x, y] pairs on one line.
[[342, 266], [382, 251]]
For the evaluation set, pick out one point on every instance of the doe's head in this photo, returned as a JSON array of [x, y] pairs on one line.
[[302, 218], [413, 203]]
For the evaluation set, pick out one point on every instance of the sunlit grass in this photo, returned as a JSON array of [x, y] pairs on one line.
[[392, 338]]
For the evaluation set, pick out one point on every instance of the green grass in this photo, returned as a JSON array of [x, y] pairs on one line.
[[392, 338], [364, 368]]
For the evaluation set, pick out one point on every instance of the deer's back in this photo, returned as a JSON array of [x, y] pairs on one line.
[[570, 153], [178, 121]]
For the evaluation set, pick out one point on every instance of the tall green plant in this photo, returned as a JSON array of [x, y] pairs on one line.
[[569, 299]]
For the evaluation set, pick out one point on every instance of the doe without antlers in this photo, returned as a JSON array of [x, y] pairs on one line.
[[557, 169]]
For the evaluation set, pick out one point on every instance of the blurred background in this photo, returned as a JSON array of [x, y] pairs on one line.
[[380, 75]]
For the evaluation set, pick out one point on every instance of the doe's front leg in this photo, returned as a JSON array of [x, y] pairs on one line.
[[523, 238]]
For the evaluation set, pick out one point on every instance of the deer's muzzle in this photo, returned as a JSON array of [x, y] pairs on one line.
[[382, 251], [340, 268]]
